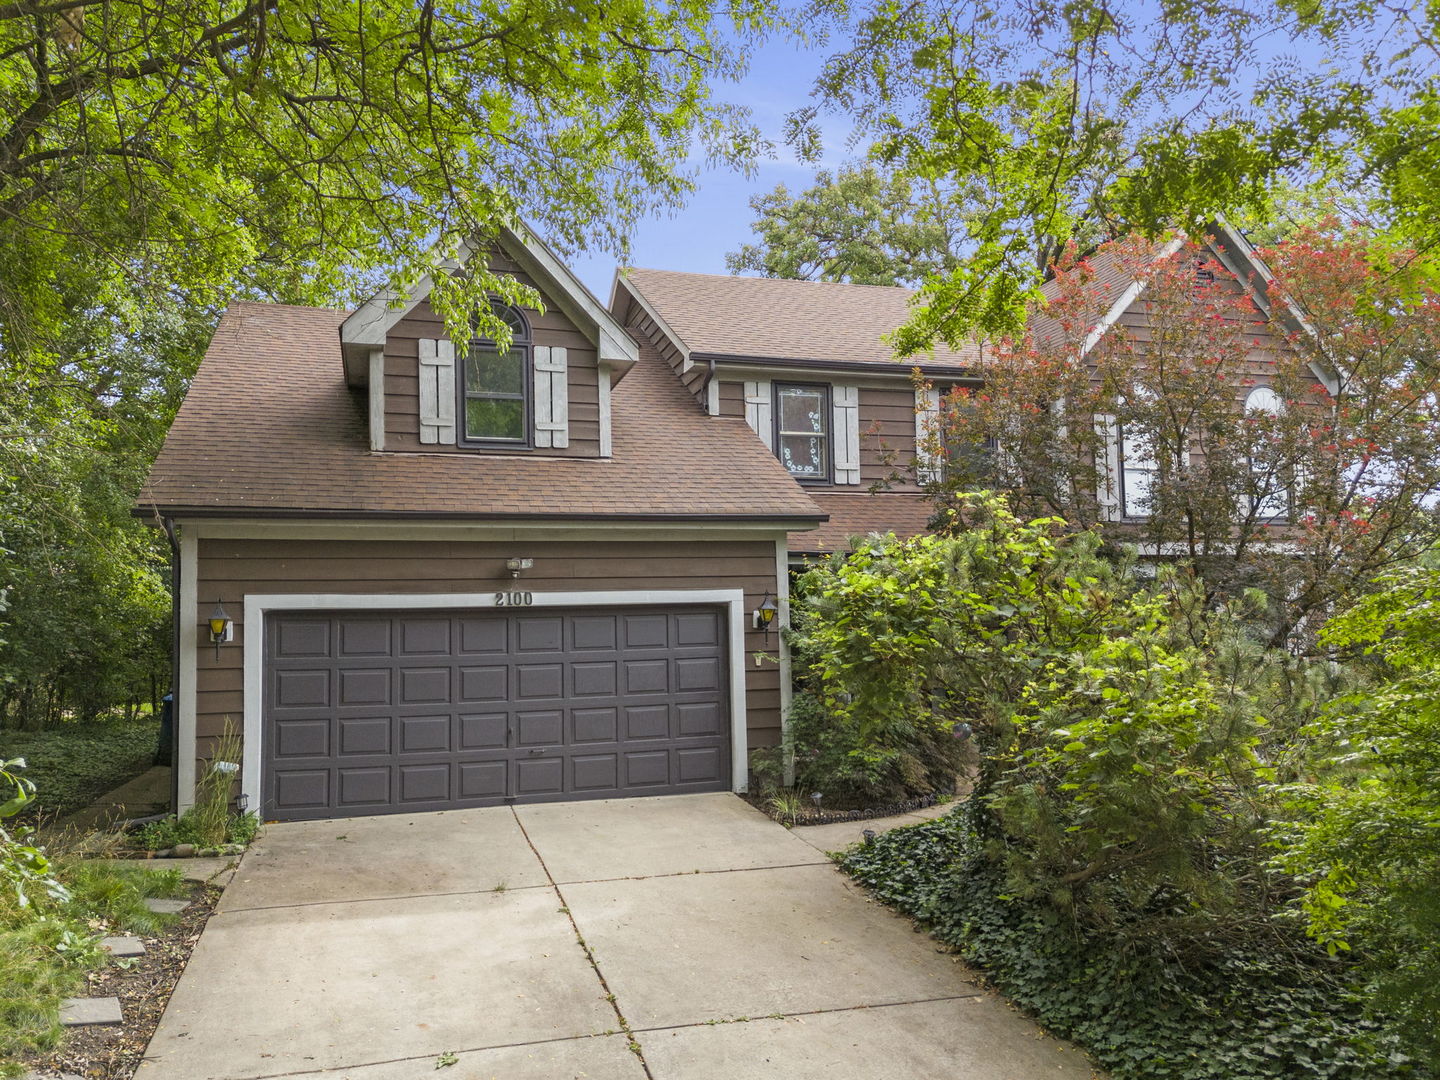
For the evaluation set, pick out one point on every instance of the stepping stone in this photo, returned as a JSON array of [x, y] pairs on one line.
[[123, 946], [166, 906], [84, 1012], [203, 870]]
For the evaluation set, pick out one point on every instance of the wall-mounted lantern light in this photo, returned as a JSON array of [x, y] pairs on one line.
[[220, 626], [765, 614], [516, 565]]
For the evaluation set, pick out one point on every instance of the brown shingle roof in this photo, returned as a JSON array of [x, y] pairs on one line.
[[781, 319], [860, 514], [269, 427]]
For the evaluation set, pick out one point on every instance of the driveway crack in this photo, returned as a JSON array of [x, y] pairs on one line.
[[632, 1042]]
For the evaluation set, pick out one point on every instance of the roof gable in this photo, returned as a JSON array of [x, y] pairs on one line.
[[366, 327]]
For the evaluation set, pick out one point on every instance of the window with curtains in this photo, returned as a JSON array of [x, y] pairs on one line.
[[1270, 499], [495, 389], [802, 429]]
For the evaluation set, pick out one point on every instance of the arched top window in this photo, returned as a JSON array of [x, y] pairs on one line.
[[1265, 400], [495, 392], [512, 317]]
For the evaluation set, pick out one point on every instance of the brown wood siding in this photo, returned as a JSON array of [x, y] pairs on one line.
[[887, 428], [732, 399], [402, 380], [231, 569], [887, 435]]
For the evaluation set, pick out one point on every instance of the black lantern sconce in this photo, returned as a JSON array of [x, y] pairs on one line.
[[220, 626], [765, 615]]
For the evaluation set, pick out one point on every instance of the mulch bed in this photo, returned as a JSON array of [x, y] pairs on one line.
[[143, 984], [811, 816]]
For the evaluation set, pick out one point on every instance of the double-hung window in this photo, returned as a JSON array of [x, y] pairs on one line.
[[1271, 498], [1138, 472], [495, 392], [802, 430]]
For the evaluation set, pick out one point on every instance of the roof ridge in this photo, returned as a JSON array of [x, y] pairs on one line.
[[762, 278]]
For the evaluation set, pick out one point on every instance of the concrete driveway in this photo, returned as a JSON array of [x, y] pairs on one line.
[[678, 938]]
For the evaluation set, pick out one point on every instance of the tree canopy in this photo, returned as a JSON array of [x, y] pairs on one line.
[[858, 224], [158, 159], [1079, 121]]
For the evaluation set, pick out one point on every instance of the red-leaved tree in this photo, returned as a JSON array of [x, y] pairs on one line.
[[1281, 435]]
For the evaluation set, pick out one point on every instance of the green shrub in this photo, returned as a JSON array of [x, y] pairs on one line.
[[834, 756], [186, 829], [1286, 1012]]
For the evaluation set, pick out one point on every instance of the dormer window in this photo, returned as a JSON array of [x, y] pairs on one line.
[[495, 391]]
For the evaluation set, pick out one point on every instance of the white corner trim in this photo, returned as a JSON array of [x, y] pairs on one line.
[[259, 605], [787, 689], [606, 422], [377, 398], [185, 711], [712, 397], [1129, 296]]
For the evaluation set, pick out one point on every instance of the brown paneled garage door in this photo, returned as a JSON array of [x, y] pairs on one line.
[[395, 712]]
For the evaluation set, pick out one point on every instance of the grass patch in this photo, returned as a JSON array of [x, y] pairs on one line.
[[117, 894], [47, 949], [74, 764]]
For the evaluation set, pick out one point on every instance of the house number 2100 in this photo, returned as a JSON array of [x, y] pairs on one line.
[[514, 599]]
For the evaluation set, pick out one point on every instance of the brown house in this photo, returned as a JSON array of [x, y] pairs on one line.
[[530, 575]]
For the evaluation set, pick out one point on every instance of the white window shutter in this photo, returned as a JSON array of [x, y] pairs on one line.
[[552, 398], [437, 391], [927, 414], [845, 404], [758, 411], [1107, 468]]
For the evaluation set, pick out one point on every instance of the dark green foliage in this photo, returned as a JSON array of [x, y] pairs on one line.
[[834, 757], [73, 764], [1286, 1012]]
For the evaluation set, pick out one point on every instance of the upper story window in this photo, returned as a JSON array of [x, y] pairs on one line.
[[802, 429], [1139, 467], [1271, 502], [496, 388]]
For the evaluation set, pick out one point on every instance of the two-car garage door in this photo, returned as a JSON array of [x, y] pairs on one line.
[[393, 712]]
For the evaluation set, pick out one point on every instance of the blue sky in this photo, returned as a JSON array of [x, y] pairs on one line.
[[717, 217]]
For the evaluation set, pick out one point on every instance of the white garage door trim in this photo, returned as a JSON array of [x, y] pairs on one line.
[[258, 605]]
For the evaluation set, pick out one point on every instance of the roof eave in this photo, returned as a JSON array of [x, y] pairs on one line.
[[158, 510], [886, 367]]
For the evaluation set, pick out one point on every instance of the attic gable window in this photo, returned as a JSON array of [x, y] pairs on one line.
[[802, 430], [495, 390]]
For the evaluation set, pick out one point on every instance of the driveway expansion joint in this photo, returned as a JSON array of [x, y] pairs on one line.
[[798, 1014], [585, 948]]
